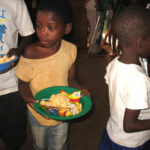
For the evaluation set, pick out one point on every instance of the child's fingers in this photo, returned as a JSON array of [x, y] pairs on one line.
[[31, 100], [85, 92], [12, 64]]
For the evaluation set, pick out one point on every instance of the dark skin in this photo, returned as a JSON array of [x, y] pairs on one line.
[[25, 41], [130, 55], [132, 123], [50, 30]]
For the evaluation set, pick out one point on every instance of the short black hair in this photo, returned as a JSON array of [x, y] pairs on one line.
[[62, 8], [132, 22]]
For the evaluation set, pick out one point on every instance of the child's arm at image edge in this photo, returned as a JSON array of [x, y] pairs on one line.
[[131, 123]]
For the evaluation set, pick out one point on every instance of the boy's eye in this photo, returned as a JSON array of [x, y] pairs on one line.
[[51, 28]]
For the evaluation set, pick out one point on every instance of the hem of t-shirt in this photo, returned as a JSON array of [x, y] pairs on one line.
[[140, 143], [7, 91], [137, 107], [28, 33]]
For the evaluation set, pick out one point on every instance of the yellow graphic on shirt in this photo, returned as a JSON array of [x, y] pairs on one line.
[[4, 20]]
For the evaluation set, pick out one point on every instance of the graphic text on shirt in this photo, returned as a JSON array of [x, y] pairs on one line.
[[2, 27]]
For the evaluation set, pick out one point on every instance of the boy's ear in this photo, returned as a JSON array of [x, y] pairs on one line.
[[68, 28]]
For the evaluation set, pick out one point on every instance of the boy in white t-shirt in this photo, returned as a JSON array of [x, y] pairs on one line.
[[128, 127], [14, 20]]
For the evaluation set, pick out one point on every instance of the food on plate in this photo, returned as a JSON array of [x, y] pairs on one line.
[[64, 112], [57, 100], [74, 96], [6, 59], [63, 104]]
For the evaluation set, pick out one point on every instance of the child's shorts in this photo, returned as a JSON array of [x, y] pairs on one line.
[[107, 144], [12, 120]]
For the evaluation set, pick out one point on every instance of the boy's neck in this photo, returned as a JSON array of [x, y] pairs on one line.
[[129, 57]]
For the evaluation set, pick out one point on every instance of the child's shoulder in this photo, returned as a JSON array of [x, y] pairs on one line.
[[30, 50], [68, 45]]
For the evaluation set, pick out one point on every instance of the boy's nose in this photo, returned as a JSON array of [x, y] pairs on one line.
[[44, 31]]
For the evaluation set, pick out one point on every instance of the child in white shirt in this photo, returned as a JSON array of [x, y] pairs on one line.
[[128, 84]]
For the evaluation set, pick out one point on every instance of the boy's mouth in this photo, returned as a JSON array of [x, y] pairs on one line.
[[44, 42]]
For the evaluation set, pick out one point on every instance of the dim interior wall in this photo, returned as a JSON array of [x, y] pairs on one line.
[[80, 27]]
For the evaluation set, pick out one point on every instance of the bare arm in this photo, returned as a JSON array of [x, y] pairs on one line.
[[24, 42], [72, 77], [73, 82], [131, 122], [24, 87], [25, 91]]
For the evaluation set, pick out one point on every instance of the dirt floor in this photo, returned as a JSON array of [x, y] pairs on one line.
[[85, 133]]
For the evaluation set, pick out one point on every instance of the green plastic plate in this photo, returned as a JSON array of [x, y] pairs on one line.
[[46, 93]]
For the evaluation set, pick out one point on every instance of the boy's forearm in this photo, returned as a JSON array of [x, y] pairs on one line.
[[74, 83], [24, 89], [131, 122], [139, 125]]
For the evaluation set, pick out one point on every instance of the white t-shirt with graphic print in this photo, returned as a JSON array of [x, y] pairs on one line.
[[14, 20]]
